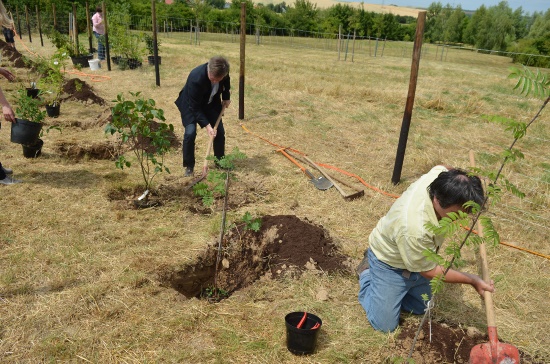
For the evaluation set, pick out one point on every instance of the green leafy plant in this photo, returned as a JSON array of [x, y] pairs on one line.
[[213, 293], [134, 121], [528, 83], [215, 179], [53, 80], [251, 223], [150, 44], [63, 42], [28, 108]]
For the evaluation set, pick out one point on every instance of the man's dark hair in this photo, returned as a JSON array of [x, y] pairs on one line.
[[99, 9], [456, 187]]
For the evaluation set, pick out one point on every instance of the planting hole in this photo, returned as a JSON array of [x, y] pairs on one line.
[[284, 246]]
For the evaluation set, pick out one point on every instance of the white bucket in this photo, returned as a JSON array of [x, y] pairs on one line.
[[94, 64]]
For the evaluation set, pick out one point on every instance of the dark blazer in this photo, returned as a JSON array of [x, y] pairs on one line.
[[192, 101]]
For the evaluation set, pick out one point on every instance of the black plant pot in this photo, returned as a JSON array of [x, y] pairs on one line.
[[151, 60], [33, 92], [129, 63], [34, 150], [25, 132], [82, 60], [53, 110]]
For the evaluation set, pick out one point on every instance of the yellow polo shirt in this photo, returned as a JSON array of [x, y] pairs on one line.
[[400, 237]]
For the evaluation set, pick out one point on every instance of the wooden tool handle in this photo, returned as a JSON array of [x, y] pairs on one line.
[[211, 141], [488, 297]]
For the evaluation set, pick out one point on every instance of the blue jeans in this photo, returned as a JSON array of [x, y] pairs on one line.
[[100, 46], [189, 137], [384, 291]]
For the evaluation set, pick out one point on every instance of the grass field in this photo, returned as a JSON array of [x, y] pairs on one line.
[[79, 273]]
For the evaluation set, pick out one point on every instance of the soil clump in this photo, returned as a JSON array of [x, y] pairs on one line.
[[79, 90]]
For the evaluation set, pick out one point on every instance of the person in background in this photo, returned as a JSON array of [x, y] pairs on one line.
[[394, 273], [200, 102], [7, 26], [99, 32], [6, 173]]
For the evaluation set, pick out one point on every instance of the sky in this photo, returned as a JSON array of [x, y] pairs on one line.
[[528, 6]]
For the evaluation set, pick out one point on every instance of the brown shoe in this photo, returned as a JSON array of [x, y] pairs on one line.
[[363, 265]]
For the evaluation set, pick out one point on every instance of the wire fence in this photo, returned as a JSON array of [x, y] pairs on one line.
[[349, 46]]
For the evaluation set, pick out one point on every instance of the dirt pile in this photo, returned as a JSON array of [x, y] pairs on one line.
[[79, 90], [448, 344], [12, 55], [285, 245]]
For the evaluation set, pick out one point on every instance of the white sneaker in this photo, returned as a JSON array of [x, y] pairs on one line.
[[9, 181], [7, 170]]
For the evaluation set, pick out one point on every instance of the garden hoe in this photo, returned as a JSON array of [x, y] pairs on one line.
[[347, 196], [321, 183], [208, 149]]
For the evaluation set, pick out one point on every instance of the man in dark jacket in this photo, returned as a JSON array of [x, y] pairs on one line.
[[199, 102]]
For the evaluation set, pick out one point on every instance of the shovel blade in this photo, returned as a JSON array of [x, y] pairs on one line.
[[321, 183], [504, 354]]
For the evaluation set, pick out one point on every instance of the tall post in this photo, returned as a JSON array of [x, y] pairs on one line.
[[353, 45], [89, 29], [39, 26], [106, 25], [54, 17], [18, 21], [28, 23], [75, 31], [339, 39], [242, 59], [400, 156], [155, 46]]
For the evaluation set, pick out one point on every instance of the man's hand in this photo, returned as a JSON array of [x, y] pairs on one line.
[[210, 131], [7, 74], [8, 113], [226, 103], [481, 286]]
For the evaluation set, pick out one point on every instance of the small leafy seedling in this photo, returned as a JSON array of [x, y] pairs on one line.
[[250, 223], [215, 180], [134, 121]]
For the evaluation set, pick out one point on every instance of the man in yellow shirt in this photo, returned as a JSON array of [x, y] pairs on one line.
[[394, 273]]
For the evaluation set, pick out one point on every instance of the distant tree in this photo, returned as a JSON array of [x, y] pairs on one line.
[[434, 22], [476, 29], [452, 28], [303, 15], [216, 4]]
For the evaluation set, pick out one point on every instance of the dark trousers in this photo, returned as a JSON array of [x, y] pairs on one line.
[[189, 144], [2, 174]]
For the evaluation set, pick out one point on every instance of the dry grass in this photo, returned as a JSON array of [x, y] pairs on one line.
[[79, 273]]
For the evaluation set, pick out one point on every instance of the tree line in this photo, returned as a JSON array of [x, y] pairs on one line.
[[494, 28]]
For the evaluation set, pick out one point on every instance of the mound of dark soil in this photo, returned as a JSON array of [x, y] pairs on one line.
[[12, 55], [79, 90], [449, 343], [285, 245]]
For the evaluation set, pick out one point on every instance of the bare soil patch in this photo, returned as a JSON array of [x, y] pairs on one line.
[[449, 343], [284, 246], [102, 150]]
